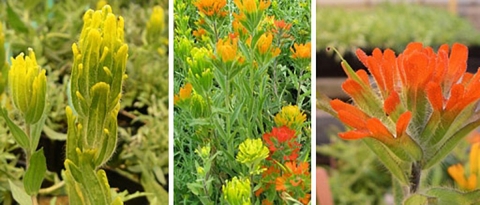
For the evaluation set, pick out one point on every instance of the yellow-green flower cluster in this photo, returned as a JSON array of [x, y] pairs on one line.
[[204, 152], [237, 191], [155, 25], [95, 87], [290, 116], [252, 151], [28, 86]]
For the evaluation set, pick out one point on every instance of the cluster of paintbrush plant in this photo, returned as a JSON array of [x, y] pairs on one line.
[[242, 108], [95, 87], [411, 110]]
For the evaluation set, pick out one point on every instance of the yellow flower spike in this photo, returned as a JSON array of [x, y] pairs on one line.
[[237, 191], [290, 116], [156, 24], [252, 151], [28, 86], [99, 56]]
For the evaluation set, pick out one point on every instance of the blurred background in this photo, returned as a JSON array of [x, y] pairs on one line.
[[350, 173]]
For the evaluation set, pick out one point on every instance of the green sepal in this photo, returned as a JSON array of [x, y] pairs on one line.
[[20, 137], [109, 139], [392, 162], [97, 114], [73, 141], [93, 185], [75, 195], [32, 181], [449, 144], [19, 194]]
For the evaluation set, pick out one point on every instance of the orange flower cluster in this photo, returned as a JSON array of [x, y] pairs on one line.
[[183, 94], [301, 50], [422, 103], [211, 7], [419, 74], [227, 48], [264, 45]]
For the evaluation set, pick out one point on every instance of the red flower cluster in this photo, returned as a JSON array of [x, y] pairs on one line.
[[284, 174], [282, 141]]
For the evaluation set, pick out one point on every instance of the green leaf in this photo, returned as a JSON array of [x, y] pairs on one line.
[[53, 135], [389, 159], [452, 196], [20, 137], [14, 20], [19, 194], [36, 132], [416, 199], [35, 173]]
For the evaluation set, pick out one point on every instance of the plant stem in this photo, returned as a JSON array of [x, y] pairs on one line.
[[28, 155], [415, 177]]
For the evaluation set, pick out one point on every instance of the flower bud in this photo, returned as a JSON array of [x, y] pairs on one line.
[[28, 86]]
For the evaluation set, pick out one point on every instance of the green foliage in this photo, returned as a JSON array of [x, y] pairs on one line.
[[391, 26], [357, 170], [234, 71]]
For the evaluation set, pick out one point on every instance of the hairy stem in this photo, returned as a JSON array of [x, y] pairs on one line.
[[415, 177]]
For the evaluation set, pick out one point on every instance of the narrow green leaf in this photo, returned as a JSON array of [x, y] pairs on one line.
[[14, 20], [389, 160], [448, 146], [53, 135], [36, 132], [19, 194], [35, 173], [452, 196], [20, 137]]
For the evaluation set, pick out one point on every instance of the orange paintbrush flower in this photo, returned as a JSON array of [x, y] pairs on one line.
[[301, 50], [211, 7], [418, 86], [227, 48], [183, 94]]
